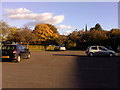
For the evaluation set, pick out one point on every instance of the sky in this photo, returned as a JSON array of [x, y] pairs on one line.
[[66, 16]]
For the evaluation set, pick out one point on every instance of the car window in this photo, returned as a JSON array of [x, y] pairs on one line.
[[21, 47], [8, 47], [102, 48], [94, 48]]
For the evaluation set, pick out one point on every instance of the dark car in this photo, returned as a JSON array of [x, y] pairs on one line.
[[15, 52]]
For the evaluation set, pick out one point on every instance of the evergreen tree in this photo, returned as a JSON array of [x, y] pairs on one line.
[[98, 27], [86, 28]]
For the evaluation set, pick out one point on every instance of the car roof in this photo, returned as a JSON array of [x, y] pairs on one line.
[[96, 46]]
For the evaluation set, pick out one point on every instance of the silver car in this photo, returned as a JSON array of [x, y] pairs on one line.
[[99, 51]]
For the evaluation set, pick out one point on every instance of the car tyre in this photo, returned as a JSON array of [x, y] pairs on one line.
[[18, 58], [111, 54], [91, 54], [28, 56]]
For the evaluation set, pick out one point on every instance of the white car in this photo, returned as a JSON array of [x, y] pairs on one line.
[[99, 51], [60, 48]]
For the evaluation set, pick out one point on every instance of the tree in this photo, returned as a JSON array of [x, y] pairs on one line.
[[53, 28], [73, 36], [98, 27], [114, 32], [23, 35], [4, 29], [61, 39], [16, 37], [115, 37], [12, 31], [91, 29], [98, 35], [27, 35], [86, 28], [44, 32], [75, 39]]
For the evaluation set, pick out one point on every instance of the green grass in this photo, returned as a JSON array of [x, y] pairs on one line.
[[40, 47], [50, 47]]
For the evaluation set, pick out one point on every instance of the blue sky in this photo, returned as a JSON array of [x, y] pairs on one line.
[[66, 16]]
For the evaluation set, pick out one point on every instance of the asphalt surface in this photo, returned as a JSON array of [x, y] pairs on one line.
[[61, 69]]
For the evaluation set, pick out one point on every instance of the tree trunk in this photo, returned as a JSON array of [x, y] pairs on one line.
[[27, 45]]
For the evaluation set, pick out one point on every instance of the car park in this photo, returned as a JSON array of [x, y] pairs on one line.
[[60, 48], [14, 52], [99, 51]]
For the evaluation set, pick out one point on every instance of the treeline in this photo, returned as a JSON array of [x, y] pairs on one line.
[[95, 37], [47, 34]]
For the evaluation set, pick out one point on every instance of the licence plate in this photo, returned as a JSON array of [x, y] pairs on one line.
[[5, 57]]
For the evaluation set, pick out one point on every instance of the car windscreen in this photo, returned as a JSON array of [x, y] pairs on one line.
[[8, 47]]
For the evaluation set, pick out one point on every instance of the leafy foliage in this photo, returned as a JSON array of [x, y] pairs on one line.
[[114, 32], [98, 35], [61, 39], [53, 28], [4, 28], [44, 32], [98, 27], [23, 35], [47, 34]]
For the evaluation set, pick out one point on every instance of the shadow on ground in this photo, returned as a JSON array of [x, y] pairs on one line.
[[96, 72], [7, 60]]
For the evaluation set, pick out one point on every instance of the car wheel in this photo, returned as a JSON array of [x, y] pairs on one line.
[[91, 54], [28, 56], [18, 58], [111, 54]]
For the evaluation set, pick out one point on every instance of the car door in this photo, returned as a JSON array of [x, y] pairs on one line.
[[95, 50], [23, 51], [103, 51]]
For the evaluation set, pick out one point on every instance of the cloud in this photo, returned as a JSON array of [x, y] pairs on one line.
[[31, 16], [36, 18], [64, 27], [46, 19], [57, 19], [17, 11], [67, 32]]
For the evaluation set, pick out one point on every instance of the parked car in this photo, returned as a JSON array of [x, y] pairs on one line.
[[52, 45], [99, 51], [60, 48], [15, 52], [118, 49]]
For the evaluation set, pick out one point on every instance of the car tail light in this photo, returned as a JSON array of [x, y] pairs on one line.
[[15, 51]]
